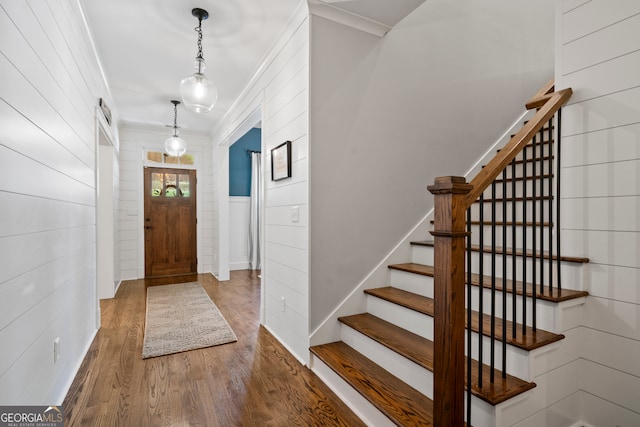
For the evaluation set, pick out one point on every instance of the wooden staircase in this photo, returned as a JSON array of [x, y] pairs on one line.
[[383, 364]]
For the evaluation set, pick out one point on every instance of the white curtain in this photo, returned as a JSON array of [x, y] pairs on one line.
[[255, 207]]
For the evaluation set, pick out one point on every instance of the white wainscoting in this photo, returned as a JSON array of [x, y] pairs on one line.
[[238, 232]]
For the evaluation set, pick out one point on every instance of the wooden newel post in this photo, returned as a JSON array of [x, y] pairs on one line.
[[449, 321]]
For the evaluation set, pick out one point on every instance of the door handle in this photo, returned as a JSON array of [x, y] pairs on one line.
[[147, 227]]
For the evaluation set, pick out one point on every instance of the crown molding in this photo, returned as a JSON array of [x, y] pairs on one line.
[[349, 19]]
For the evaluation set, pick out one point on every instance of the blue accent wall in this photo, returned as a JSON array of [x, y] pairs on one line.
[[240, 162]]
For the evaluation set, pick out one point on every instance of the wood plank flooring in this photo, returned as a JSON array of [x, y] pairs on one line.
[[253, 382]]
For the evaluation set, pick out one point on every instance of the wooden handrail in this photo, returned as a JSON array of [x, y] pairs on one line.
[[485, 177], [541, 96], [453, 196]]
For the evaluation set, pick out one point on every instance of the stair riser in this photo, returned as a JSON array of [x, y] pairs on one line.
[[483, 414], [414, 375], [354, 400], [518, 361], [526, 206], [421, 324], [542, 186], [412, 321], [411, 373], [552, 317], [546, 146], [572, 273], [416, 283], [529, 172], [508, 231], [546, 311]]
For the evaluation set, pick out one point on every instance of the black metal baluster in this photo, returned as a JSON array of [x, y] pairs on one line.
[[551, 199], [556, 224], [481, 290], [469, 318], [504, 271], [534, 234], [493, 280], [514, 257], [524, 243], [541, 217]]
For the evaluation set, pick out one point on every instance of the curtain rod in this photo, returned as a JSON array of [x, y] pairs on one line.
[[252, 151]]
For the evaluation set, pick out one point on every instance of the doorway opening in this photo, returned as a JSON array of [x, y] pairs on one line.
[[106, 188], [245, 201]]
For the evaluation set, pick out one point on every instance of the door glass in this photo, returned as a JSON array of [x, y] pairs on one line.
[[154, 156], [184, 185], [172, 160], [171, 188], [186, 159], [156, 184]]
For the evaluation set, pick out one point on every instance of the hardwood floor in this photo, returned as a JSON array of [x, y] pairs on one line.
[[253, 382]]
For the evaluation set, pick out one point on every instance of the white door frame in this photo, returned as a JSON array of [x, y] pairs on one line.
[[105, 217], [252, 119]]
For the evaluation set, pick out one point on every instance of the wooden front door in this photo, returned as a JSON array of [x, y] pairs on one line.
[[169, 222]]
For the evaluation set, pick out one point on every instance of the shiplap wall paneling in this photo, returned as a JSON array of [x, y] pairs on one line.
[[48, 93], [599, 45], [280, 90], [286, 242]]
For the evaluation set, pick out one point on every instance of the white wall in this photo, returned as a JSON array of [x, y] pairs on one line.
[[49, 89], [598, 56], [133, 141], [388, 115], [280, 90]]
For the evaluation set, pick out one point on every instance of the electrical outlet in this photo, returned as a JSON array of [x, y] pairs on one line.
[[56, 349], [283, 301], [295, 214]]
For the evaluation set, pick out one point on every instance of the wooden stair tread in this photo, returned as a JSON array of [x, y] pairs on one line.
[[530, 341], [510, 223], [530, 144], [420, 351], [520, 161], [515, 199], [520, 178], [509, 251], [400, 402], [553, 295]]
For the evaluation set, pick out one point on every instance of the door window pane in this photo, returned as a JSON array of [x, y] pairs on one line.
[[184, 185], [171, 188], [172, 160], [186, 159], [154, 156], [156, 184]]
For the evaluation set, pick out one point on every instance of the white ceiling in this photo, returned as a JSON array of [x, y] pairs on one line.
[[147, 46]]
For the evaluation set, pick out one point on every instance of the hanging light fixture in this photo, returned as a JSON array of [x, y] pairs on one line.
[[174, 145], [199, 93]]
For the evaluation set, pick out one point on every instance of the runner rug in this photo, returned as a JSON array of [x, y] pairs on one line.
[[182, 317]]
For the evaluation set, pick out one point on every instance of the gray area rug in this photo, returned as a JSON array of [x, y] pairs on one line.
[[182, 317]]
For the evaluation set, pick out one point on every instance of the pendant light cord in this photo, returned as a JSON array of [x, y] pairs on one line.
[[175, 120], [199, 57]]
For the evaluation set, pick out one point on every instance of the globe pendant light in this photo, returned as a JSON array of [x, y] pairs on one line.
[[174, 145], [199, 94]]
